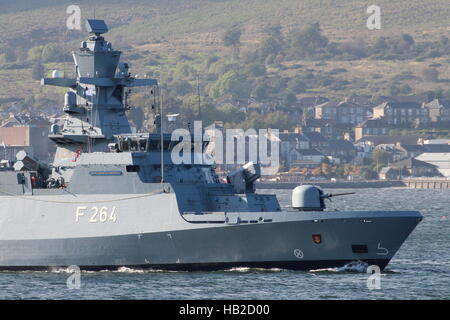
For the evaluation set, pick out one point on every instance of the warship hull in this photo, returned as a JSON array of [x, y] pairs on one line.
[[39, 232], [114, 198]]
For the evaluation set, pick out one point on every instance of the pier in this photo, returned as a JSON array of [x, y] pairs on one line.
[[327, 184], [413, 183], [427, 183]]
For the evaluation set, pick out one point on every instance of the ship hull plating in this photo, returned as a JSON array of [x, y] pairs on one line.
[[288, 241], [113, 198]]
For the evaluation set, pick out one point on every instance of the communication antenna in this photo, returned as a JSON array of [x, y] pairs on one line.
[[153, 104], [161, 118], [198, 96], [66, 34], [199, 104]]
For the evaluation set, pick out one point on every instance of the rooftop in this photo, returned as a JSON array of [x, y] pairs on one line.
[[406, 139], [292, 136], [315, 137], [396, 105], [438, 103], [318, 123], [341, 145], [372, 123], [408, 99], [342, 104], [309, 152], [412, 163], [435, 157], [427, 148], [25, 119]]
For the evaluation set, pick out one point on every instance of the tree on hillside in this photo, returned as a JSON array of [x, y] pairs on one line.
[[306, 42], [230, 113], [297, 86], [447, 94], [8, 53], [35, 53], [52, 53], [356, 48], [407, 39], [403, 89], [137, 115], [232, 38], [38, 71], [290, 99], [381, 44], [273, 45], [270, 47], [182, 87], [430, 74], [443, 40], [190, 110], [184, 70], [380, 157], [231, 83], [280, 83], [255, 69], [436, 94], [274, 31], [261, 91], [277, 120]]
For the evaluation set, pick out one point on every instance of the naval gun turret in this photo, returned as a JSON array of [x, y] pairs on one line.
[[312, 198]]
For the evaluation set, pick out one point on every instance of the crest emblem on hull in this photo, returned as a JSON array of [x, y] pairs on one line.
[[317, 238]]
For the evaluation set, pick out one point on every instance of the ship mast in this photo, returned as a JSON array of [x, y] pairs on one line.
[[96, 100], [162, 138]]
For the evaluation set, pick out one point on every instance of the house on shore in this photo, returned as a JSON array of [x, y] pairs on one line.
[[402, 113], [25, 132], [440, 160], [409, 167], [439, 110], [371, 127]]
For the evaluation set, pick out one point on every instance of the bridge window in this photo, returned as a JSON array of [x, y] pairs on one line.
[[133, 168], [134, 145], [143, 144]]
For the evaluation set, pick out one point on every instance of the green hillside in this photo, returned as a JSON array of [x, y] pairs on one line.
[[143, 21], [174, 40]]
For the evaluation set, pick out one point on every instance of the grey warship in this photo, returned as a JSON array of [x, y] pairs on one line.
[[114, 198]]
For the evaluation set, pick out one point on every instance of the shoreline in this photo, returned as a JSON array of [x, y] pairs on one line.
[[331, 184]]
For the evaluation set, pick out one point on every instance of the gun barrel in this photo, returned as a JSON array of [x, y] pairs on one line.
[[340, 194]]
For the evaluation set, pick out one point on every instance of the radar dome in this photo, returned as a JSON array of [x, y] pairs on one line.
[[56, 74]]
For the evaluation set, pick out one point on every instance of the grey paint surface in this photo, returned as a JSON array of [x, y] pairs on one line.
[[112, 210]]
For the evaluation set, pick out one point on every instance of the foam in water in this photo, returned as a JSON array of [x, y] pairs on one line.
[[248, 269], [354, 266], [129, 270], [60, 270]]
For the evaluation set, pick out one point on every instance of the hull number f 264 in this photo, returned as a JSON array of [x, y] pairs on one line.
[[96, 214]]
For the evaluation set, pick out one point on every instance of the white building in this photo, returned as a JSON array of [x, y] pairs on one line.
[[440, 160]]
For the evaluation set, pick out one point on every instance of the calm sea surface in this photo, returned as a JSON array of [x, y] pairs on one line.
[[420, 270]]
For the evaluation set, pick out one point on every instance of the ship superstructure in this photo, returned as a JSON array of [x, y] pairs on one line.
[[114, 198]]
